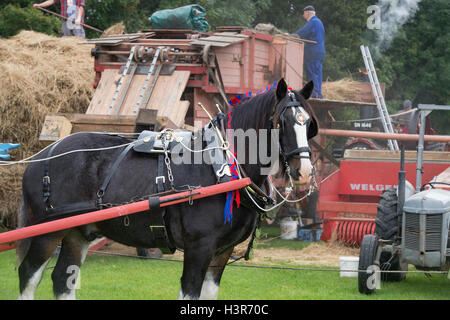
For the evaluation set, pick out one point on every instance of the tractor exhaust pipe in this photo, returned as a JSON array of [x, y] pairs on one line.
[[401, 188]]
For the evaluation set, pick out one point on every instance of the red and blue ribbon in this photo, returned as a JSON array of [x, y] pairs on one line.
[[233, 196]]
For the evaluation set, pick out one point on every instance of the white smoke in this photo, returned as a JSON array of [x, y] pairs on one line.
[[394, 14]]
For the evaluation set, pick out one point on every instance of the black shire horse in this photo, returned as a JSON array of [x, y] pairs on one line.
[[197, 228]]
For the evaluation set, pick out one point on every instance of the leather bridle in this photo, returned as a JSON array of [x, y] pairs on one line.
[[302, 118]]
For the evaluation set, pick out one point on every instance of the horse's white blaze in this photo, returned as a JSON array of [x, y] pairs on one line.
[[210, 289], [33, 282], [306, 167]]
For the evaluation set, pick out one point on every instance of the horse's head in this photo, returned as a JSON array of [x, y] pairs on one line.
[[295, 119]]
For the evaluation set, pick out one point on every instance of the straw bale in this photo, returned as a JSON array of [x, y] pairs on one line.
[[116, 29], [344, 90], [40, 75]]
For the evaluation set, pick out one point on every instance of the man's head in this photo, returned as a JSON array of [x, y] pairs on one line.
[[309, 12], [407, 105]]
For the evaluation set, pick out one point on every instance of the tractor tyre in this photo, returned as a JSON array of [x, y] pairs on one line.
[[367, 254], [386, 228]]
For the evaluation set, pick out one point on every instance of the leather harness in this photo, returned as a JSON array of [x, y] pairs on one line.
[[157, 228]]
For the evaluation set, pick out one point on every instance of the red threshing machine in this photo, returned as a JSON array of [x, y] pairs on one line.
[[349, 197]]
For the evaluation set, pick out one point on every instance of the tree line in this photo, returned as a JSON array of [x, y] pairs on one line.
[[416, 65]]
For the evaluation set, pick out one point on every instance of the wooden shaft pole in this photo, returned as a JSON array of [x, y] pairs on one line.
[[115, 212]]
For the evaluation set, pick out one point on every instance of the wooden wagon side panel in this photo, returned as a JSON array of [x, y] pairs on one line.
[[231, 65], [277, 64], [294, 64], [261, 55]]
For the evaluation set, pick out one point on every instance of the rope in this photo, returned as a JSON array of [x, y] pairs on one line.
[[231, 264], [288, 192], [26, 160], [9, 163], [377, 118]]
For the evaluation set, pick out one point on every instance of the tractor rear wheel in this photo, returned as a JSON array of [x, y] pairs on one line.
[[386, 228]]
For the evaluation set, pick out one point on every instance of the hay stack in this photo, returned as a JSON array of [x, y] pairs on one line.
[[116, 29], [345, 90], [40, 75]]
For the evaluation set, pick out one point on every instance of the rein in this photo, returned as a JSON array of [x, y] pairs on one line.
[[302, 118]]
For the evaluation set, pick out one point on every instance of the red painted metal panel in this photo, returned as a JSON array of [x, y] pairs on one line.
[[370, 178], [349, 207]]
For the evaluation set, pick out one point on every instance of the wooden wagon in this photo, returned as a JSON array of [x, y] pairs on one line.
[[156, 78]]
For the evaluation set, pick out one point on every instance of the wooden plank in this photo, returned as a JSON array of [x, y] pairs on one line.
[[179, 113], [165, 97], [337, 104], [101, 123], [61, 125], [231, 35], [168, 91], [221, 39], [104, 93], [55, 127], [200, 42]]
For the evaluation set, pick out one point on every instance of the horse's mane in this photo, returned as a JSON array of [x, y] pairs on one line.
[[253, 113]]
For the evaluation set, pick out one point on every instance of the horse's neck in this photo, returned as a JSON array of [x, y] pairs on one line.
[[254, 171]]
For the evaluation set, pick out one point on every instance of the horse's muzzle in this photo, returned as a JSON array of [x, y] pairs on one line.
[[301, 170]]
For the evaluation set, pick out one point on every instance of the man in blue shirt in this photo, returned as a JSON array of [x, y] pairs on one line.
[[314, 53]]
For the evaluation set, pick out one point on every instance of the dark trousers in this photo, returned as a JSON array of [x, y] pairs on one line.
[[314, 73]]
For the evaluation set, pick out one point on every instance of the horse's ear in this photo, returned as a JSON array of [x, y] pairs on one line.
[[282, 89], [313, 128], [307, 90]]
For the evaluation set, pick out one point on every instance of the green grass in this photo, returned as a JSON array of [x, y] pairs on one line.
[[270, 239], [122, 278]]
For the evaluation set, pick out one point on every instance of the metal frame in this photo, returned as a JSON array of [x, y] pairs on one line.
[[425, 110]]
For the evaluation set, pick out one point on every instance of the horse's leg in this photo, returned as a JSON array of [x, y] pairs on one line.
[[197, 256], [210, 287], [74, 248], [34, 262]]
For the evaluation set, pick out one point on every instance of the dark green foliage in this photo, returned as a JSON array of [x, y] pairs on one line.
[[14, 18]]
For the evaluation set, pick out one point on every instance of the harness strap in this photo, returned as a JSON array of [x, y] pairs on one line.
[[296, 153], [46, 179], [157, 223], [105, 184], [160, 179]]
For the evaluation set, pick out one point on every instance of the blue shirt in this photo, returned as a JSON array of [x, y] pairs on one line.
[[313, 30]]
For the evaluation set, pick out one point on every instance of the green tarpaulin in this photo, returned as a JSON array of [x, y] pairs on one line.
[[190, 17]]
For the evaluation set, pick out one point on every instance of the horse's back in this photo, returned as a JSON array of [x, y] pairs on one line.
[[72, 170]]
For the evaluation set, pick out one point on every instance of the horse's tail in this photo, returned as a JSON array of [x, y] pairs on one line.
[[22, 246]]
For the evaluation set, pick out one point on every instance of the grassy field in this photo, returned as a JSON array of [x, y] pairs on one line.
[[124, 278]]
